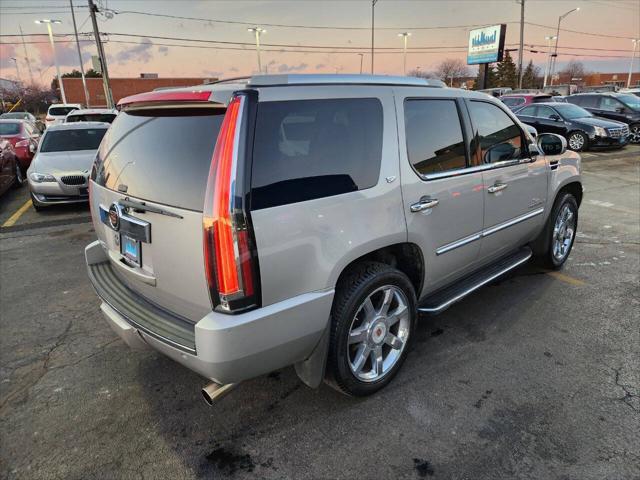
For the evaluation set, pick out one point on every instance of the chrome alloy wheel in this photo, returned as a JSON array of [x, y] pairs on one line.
[[634, 134], [378, 333], [576, 141], [563, 232]]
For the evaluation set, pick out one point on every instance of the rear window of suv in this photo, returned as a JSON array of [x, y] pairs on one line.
[[161, 155], [60, 111], [308, 149]]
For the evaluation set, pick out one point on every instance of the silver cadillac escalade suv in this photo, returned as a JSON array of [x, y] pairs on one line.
[[306, 220]]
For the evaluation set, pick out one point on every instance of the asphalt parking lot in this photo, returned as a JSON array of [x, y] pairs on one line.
[[534, 377]]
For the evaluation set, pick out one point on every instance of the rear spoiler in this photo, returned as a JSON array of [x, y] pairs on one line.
[[218, 97]]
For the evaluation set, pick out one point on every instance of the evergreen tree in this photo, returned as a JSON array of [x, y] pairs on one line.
[[531, 76], [507, 73], [491, 78]]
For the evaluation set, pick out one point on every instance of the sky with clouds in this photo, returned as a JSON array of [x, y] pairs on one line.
[[319, 49]]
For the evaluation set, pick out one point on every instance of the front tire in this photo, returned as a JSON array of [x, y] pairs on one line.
[[373, 320], [634, 133], [19, 180], [553, 246], [577, 141]]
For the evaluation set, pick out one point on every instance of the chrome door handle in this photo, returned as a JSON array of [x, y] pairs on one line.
[[497, 187], [424, 204]]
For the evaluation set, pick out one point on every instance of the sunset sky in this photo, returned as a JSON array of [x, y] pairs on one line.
[[618, 19]]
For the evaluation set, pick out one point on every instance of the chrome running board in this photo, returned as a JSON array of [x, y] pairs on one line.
[[444, 298]]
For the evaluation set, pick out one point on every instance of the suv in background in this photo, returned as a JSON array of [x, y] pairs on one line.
[[58, 112], [328, 213], [623, 107], [105, 115]]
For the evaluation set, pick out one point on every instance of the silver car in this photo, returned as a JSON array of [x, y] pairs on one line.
[[330, 211], [59, 172]]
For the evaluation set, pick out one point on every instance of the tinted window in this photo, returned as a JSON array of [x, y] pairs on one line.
[[630, 101], [9, 128], [585, 101], [61, 110], [72, 140], [499, 138], [434, 136], [160, 155], [92, 117], [528, 111], [546, 112], [570, 112], [610, 104], [512, 101], [315, 148]]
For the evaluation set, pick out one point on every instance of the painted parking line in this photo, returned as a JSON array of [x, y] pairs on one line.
[[17, 214], [567, 279]]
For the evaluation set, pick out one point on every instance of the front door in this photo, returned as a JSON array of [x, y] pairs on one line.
[[550, 121], [442, 195], [515, 182]]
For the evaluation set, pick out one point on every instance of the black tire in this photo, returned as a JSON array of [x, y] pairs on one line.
[[36, 206], [351, 292], [634, 133], [19, 180], [582, 141], [543, 245]]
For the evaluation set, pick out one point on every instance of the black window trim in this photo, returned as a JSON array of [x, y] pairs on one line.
[[464, 128]]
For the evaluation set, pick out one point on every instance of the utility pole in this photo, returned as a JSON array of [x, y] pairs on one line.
[[373, 12], [84, 81], [521, 51], [103, 61], [26, 55], [555, 50], [48, 23], [405, 36], [633, 54]]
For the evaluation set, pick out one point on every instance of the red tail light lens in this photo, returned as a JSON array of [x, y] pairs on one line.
[[230, 260], [22, 143]]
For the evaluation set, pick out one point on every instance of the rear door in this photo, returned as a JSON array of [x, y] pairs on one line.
[[442, 192], [159, 159], [514, 182]]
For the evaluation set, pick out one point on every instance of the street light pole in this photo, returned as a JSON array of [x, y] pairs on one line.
[[15, 60], [547, 66], [373, 12], [555, 50], [405, 36], [633, 54], [84, 81], [361, 59], [521, 51], [258, 31], [48, 23]]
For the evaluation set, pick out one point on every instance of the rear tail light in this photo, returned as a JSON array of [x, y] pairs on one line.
[[49, 119], [231, 263], [22, 143]]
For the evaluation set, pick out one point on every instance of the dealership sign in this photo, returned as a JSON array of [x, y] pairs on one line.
[[486, 44]]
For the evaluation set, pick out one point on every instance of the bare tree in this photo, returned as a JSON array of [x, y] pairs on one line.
[[422, 73], [574, 69], [450, 69]]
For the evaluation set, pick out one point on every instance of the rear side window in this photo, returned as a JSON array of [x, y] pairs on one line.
[[58, 111], [92, 117], [434, 136], [307, 149], [9, 128], [586, 101], [72, 140], [500, 139], [528, 111]]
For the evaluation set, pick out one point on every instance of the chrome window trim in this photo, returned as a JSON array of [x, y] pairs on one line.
[[477, 168], [489, 231]]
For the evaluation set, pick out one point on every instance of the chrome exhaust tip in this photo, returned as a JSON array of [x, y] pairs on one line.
[[213, 392]]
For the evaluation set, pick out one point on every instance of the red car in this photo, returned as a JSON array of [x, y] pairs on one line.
[[10, 172], [515, 101], [24, 137]]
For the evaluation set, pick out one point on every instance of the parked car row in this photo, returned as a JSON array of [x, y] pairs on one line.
[[586, 120]]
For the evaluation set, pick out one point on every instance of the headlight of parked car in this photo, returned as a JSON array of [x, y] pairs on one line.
[[41, 177], [601, 132]]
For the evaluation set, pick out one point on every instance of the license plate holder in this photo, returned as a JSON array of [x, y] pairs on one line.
[[131, 249]]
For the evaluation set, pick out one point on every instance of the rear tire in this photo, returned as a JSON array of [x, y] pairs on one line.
[[634, 133], [19, 180], [578, 141], [553, 246], [373, 320]]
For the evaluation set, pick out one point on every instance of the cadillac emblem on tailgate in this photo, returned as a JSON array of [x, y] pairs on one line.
[[114, 217]]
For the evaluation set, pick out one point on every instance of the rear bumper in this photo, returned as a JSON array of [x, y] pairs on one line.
[[223, 348]]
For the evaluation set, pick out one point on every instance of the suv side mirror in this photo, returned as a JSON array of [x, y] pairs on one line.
[[551, 144], [620, 110], [555, 117]]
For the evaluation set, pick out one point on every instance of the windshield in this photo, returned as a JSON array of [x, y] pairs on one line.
[[570, 111], [60, 111], [91, 117], [9, 128], [18, 115], [630, 101], [72, 140]]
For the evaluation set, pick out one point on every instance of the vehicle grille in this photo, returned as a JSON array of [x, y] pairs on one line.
[[618, 132], [73, 180]]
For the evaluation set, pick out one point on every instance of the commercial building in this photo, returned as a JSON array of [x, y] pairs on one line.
[[122, 87]]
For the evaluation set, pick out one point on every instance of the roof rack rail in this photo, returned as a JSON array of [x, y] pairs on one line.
[[331, 79]]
